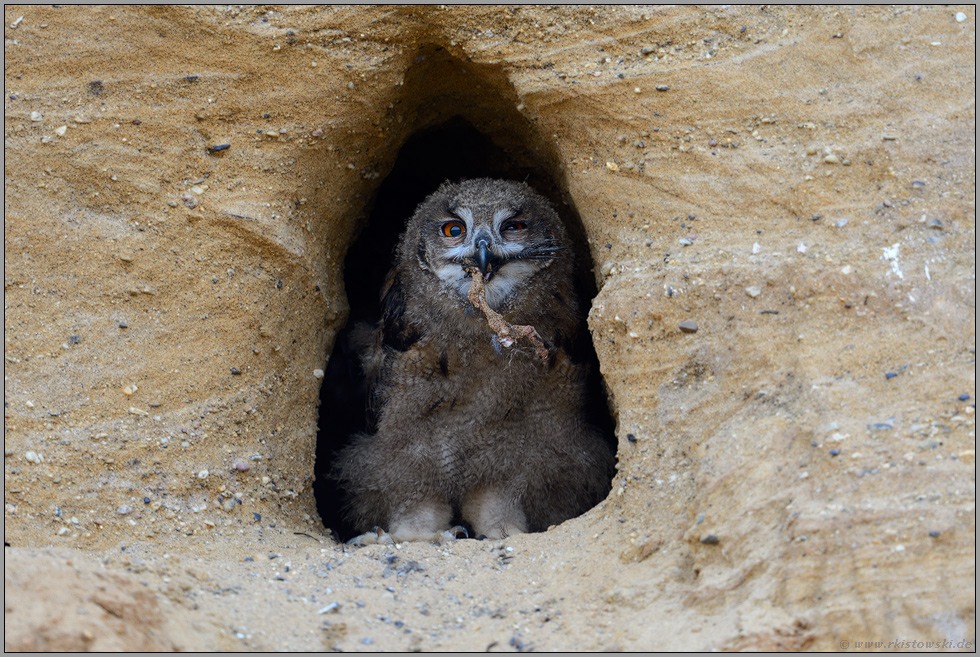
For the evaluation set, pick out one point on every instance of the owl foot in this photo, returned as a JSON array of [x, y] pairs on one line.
[[378, 536], [494, 513]]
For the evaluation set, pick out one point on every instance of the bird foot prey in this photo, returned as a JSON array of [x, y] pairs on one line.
[[507, 333]]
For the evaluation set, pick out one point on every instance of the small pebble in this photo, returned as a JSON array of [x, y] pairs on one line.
[[217, 148], [960, 17], [203, 474], [964, 397], [235, 371], [686, 241], [124, 509], [934, 534], [891, 375], [33, 457], [61, 130], [631, 438], [317, 374], [688, 326], [834, 452], [935, 223], [36, 116], [663, 87], [710, 539], [242, 466], [753, 291], [189, 200]]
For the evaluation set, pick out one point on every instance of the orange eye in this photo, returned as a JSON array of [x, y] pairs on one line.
[[515, 225], [453, 229]]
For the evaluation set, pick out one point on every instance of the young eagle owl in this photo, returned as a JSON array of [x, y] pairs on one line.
[[470, 427]]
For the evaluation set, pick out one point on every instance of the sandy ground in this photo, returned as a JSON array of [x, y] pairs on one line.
[[799, 182]]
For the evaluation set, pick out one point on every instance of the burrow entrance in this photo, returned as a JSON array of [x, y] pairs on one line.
[[450, 149]]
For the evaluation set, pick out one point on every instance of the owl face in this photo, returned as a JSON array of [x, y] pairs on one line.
[[503, 229]]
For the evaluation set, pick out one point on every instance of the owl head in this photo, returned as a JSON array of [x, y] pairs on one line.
[[503, 230]]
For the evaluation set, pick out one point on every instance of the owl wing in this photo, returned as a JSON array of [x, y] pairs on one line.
[[373, 343], [396, 332]]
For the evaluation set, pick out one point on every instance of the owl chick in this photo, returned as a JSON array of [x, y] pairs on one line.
[[471, 428]]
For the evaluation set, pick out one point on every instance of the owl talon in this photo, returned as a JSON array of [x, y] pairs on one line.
[[376, 536], [451, 535], [362, 540]]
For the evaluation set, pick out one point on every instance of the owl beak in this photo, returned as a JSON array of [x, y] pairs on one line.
[[484, 257]]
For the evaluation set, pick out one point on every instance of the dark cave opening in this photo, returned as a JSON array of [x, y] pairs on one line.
[[454, 150]]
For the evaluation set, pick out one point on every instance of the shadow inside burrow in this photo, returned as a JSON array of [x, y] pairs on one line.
[[454, 150]]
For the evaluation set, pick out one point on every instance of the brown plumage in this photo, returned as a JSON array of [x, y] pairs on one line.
[[469, 426]]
